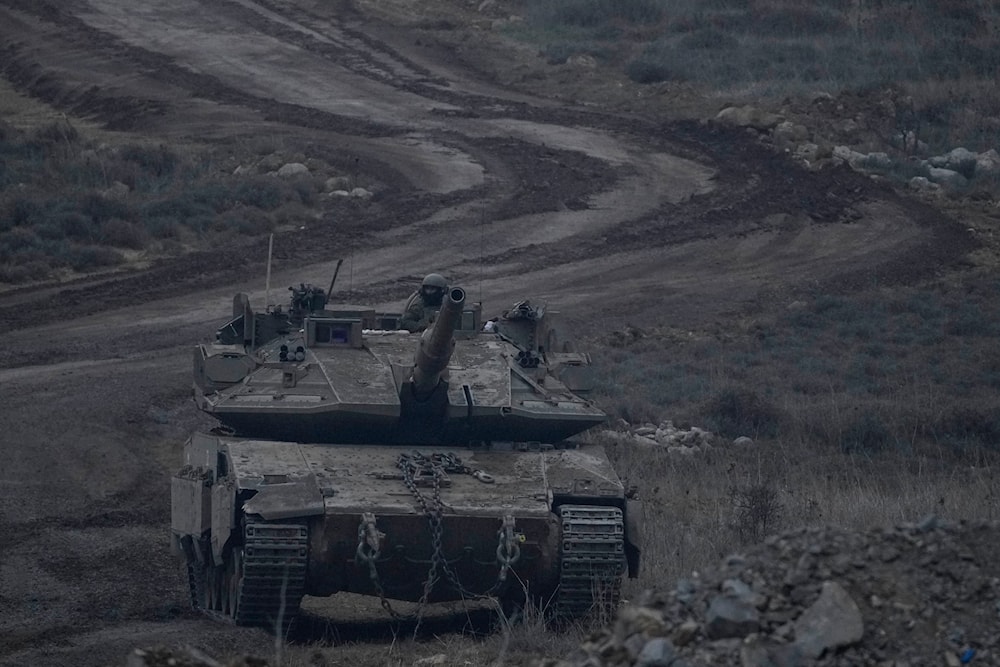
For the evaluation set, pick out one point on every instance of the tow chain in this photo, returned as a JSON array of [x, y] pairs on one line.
[[420, 470]]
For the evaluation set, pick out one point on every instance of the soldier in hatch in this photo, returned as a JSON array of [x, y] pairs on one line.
[[424, 304]]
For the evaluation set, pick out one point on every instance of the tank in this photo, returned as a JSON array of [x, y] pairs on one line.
[[355, 457]]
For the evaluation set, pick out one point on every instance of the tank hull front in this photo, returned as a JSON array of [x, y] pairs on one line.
[[318, 519]]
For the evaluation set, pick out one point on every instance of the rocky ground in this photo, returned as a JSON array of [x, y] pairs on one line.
[[917, 594]]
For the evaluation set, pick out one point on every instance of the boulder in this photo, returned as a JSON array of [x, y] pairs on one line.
[[924, 185], [791, 132], [961, 160], [988, 164], [582, 60], [748, 116], [118, 190], [338, 183], [846, 154], [807, 151], [361, 193], [832, 622], [729, 616], [877, 161], [292, 169], [947, 178], [657, 652], [743, 441]]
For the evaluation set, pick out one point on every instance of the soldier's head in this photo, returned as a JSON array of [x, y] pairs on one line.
[[432, 289]]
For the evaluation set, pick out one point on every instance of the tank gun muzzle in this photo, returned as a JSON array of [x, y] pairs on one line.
[[437, 344]]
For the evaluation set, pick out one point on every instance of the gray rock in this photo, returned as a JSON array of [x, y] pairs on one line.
[[791, 132], [807, 151], [292, 169], [878, 161], [118, 190], [748, 116], [851, 157], [743, 441], [645, 441], [988, 163], [338, 183], [634, 645], [361, 193], [961, 160], [582, 60], [739, 590], [947, 178], [922, 184], [658, 652], [685, 633], [729, 617], [832, 622], [769, 654], [686, 590]]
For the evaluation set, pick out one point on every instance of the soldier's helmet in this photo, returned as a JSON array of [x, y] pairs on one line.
[[434, 280]]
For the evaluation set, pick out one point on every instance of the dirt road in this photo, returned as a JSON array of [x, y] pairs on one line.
[[612, 218]]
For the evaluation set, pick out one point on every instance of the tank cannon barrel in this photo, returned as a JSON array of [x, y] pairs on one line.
[[437, 343]]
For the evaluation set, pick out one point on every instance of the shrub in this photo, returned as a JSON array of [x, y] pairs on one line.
[[123, 234], [160, 161], [757, 511], [740, 411], [969, 425], [101, 208], [593, 13], [866, 434], [263, 192], [23, 273], [87, 257], [57, 132], [76, 226], [654, 66]]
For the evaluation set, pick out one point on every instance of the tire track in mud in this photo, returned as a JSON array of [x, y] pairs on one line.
[[535, 179]]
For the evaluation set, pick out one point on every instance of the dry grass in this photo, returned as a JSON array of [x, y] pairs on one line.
[[943, 53], [693, 518]]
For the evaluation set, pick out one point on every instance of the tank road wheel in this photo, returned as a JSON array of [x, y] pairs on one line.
[[591, 560]]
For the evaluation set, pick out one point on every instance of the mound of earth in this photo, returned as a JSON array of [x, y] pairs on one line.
[[917, 594]]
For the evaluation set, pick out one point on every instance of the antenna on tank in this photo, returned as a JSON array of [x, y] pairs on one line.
[[482, 244], [267, 279], [335, 272]]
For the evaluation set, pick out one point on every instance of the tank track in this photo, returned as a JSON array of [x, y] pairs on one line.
[[591, 559], [275, 557], [262, 581]]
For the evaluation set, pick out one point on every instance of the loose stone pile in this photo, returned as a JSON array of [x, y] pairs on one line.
[[951, 171], [918, 594], [673, 439]]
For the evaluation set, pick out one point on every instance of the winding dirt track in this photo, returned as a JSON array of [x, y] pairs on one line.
[[612, 218]]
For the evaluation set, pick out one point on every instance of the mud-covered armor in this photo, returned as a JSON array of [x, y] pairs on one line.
[[425, 467]]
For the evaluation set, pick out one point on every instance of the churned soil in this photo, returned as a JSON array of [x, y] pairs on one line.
[[610, 216]]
